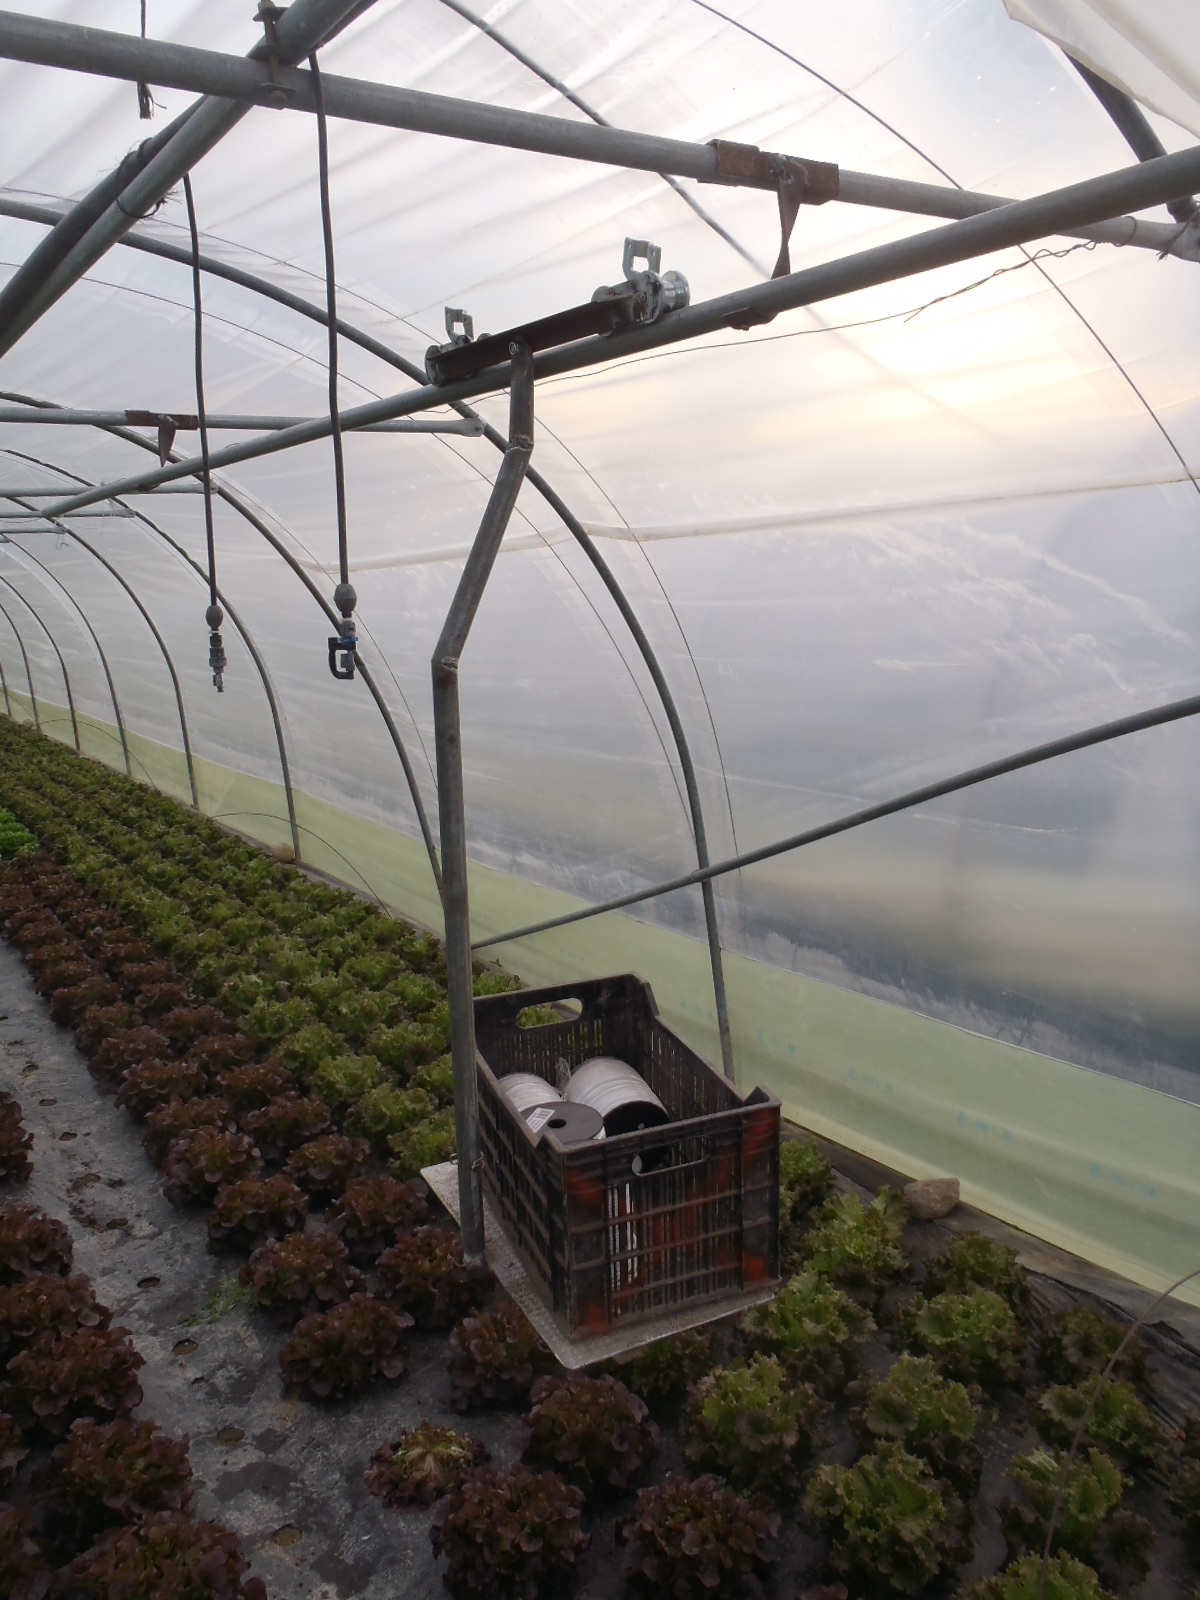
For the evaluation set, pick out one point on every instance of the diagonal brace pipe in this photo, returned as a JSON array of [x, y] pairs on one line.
[[451, 803]]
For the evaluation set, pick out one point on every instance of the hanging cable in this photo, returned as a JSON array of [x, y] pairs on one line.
[[214, 616], [344, 644], [145, 100]]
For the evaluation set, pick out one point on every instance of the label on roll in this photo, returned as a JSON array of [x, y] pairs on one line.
[[539, 1117]]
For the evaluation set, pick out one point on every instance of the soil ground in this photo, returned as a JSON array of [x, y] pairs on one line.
[[286, 1475]]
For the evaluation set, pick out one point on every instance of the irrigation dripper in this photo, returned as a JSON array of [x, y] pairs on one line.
[[214, 617], [343, 645]]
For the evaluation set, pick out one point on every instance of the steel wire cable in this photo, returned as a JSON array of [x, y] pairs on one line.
[[214, 616], [344, 596]]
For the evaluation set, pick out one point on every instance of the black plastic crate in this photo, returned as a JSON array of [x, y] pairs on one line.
[[609, 1244]]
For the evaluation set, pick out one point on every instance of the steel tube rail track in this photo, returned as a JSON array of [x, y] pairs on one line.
[[63, 416], [1012, 225], [112, 209], [56, 494], [451, 801], [94, 50]]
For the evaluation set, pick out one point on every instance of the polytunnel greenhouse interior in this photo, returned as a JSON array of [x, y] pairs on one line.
[[650, 549]]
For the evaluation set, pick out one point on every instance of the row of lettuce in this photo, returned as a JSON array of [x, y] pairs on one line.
[[282, 1045]]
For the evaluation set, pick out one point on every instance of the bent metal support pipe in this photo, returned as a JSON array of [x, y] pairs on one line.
[[87, 622], [62, 665], [451, 803], [682, 749], [238, 504], [4, 612], [159, 640]]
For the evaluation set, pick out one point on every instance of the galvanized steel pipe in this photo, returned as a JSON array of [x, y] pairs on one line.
[[1148, 184], [451, 800], [238, 78]]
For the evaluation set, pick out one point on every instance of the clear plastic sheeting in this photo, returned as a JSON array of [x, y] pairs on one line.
[[878, 541], [1153, 53]]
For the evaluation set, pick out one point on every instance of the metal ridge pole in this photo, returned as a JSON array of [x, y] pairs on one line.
[[66, 416], [62, 665], [1011, 225], [1174, 711], [451, 800], [86, 620], [94, 50], [300, 29]]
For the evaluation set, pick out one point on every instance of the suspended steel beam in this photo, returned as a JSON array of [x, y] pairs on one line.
[[36, 516], [119, 55], [103, 216], [184, 422], [1147, 184], [451, 798]]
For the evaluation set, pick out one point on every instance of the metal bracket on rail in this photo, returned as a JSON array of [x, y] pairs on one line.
[[269, 15], [643, 296]]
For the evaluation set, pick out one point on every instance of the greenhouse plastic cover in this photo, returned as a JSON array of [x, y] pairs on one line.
[[884, 539]]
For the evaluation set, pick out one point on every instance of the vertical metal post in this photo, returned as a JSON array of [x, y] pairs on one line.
[[62, 665], [37, 721], [451, 803]]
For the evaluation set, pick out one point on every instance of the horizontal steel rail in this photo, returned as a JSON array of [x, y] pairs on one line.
[[1024, 220], [236, 78], [65, 416], [56, 493]]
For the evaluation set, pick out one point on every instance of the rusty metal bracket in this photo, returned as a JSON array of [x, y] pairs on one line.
[[795, 182], [269, 14], [168, 426], [752, 168]]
